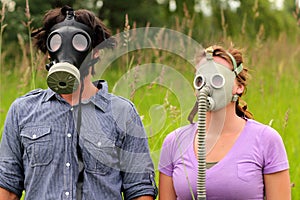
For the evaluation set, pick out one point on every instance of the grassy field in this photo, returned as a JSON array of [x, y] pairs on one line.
[[165, 100], [272, 96]]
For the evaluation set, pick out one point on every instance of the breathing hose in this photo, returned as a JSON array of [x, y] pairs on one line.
[[202, 109]]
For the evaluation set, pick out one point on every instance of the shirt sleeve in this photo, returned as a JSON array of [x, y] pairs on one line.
[[275, 157], [165, 165], [135, 161], [11, 174]]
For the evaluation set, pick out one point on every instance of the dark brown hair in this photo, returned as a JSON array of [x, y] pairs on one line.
[[242, 77], [57, 15]]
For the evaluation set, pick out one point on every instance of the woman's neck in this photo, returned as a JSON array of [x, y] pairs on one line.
[[224, 119], [223, 123]]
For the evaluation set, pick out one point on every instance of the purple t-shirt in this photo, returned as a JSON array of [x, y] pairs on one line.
[[239, 175]]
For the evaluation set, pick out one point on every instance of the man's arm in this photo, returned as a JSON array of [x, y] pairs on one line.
[[11, 169], [7, 195], [135, 161]]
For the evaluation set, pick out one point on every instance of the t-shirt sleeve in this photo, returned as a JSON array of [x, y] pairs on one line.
[[165, 165], [275, 157]]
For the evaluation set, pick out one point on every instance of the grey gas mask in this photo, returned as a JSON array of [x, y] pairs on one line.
[[68, 44], [219, 81]]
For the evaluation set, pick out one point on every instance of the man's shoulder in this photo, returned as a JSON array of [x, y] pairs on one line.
[[31, 96], [27, 101], [119, 101], [34, 92], [110, 96]]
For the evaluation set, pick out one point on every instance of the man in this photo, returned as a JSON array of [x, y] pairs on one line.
[[74, 140]]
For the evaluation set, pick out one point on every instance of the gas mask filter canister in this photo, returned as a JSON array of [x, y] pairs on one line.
[[219, 79], [68, 44]]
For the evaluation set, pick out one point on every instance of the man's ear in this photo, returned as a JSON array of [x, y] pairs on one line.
[[96, 53]]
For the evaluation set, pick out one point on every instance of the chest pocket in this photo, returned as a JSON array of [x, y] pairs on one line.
[[100, 154], [38, 146], [248, 171]]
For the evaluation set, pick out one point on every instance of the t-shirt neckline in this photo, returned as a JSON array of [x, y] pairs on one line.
[[227, 156]]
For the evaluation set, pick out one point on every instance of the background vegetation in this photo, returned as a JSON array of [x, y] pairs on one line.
[[268, 33]]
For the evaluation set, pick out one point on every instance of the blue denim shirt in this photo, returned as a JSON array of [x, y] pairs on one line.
[[38, 148]]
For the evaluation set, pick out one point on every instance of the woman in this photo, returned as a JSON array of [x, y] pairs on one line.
[[244, 158]]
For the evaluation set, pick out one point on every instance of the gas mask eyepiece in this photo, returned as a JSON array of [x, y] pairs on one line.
[[68, 44]]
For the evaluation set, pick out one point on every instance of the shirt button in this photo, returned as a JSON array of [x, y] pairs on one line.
[[69, 135], [34, 136], [68, 164], [72, 109], [99, 144], [67, 193]]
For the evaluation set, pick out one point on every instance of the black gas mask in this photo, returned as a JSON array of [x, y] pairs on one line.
[[68, 44]]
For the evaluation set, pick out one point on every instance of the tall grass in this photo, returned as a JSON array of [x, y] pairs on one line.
[[28, 26], [272, 96]]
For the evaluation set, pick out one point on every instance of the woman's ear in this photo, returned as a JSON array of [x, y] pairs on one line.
[[240, 89], [237, 92]]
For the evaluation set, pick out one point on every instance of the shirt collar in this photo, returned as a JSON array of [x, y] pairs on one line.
[[100, 99], [49, 94]]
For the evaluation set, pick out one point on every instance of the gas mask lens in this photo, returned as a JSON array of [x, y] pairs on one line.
[[199, 82], [80, 42], [217, 81], [55, 42]]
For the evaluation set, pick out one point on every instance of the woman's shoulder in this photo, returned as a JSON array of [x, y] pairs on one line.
[[181, 134], [177, 143], [253, 124], [262, 131]]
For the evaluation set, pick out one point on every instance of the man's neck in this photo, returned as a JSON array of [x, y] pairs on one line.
[[89, 90]]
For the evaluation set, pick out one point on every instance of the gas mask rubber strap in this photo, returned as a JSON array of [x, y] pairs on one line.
[[70, 20], [236, 69], [209, 53]]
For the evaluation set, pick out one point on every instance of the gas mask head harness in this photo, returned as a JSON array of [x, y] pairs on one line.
[[68, 44], [218, 79]]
